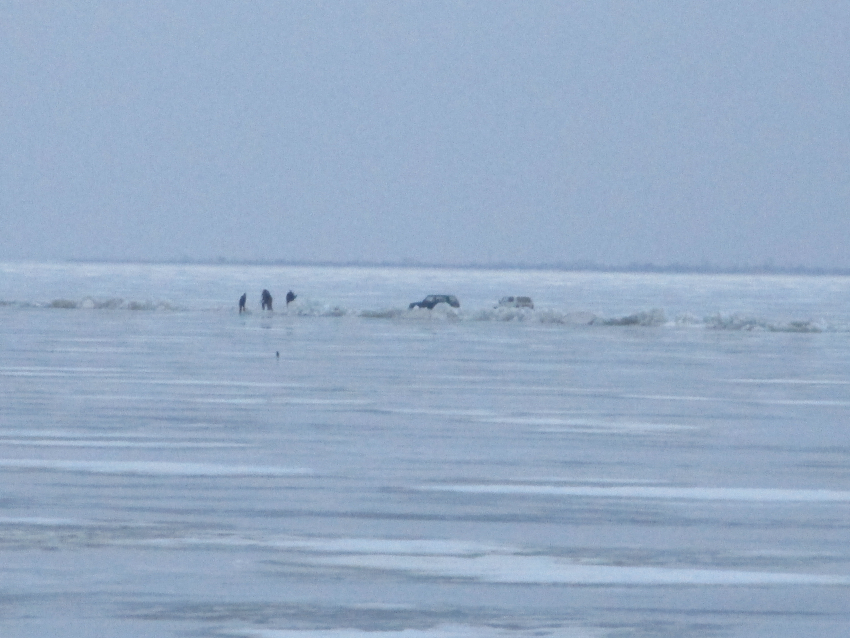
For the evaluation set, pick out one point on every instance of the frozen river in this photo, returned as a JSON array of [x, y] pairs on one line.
[[640, 455]]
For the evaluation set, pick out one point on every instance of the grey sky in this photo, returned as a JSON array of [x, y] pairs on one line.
[[455, 132]]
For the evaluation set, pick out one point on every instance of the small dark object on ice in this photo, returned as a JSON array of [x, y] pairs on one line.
[[290, 297], [242, 301]]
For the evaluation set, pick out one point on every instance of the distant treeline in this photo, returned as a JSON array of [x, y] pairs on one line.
[[575, 266]]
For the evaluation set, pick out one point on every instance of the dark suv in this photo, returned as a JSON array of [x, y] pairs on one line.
[[432, 300]]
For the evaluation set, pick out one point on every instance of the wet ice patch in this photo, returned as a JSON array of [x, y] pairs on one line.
[[765, 495], [491, 563], [343, 546], [54, 371], [791, 381], [308, 401], [549, 570], [444, 631], [401, 547], [814, 402], [503, 564], [545, 424], [477, 414], [222, 382], [151, 468], [554, 425], [36, 521], [671, 397], [230, 400], [94, 443]]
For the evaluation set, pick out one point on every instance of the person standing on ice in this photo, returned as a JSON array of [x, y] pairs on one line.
[[242, 301], [267, 300]]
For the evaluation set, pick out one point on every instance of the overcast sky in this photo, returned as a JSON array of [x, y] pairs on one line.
[[442, 132]]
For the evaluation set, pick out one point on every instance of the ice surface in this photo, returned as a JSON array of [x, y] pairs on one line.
[[447, 631], [152, 468], [452, 559], [647, 492], [421, 475], [544, 570]]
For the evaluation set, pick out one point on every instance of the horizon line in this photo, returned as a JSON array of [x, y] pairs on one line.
[[575, 266]]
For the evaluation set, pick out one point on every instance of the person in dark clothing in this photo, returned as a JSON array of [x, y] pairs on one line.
[[242, 301], [267, 300], [290, 297]]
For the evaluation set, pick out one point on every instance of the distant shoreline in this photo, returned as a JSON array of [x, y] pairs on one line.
[[580, 266]]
